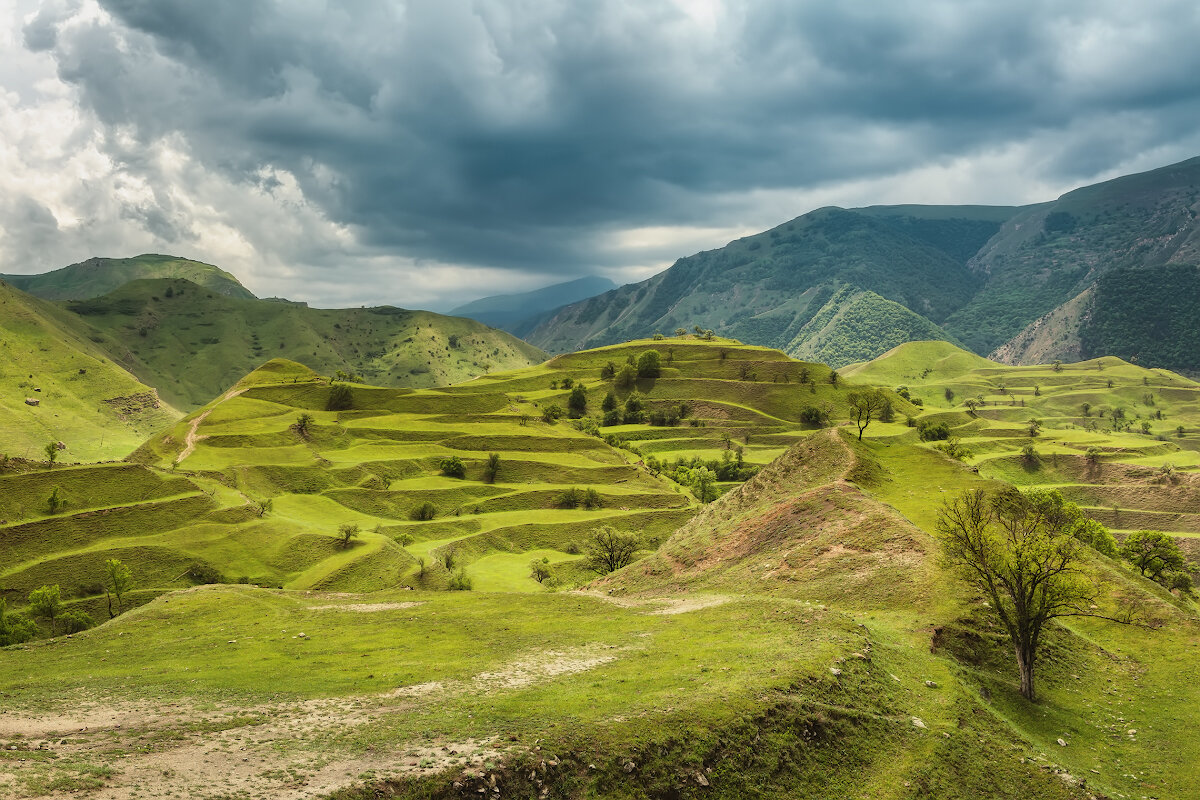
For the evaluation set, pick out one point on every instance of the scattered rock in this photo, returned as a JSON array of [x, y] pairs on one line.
[[1062, 743], [931, 684], [919, 723], [701, 779], [629, 766], [835, 671]]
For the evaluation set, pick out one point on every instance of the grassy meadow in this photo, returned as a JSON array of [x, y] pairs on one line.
[[796, 637]]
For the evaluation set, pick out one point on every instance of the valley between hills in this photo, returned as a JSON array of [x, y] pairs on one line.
[[252, 549]]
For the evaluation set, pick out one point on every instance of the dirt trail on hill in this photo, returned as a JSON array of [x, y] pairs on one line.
[[278, 751], [189, 442]]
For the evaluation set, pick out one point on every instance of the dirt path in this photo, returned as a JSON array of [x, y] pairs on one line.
[[189, 442]]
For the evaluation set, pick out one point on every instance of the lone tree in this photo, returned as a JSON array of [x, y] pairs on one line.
[[609, 550], [491, 467], [341, 397], [46, 602], [866, 406], [1153, 553], [1018, 549], [117, 580], [51, 451], [346, 532], [577, 402], [649, 364], [303, 423]]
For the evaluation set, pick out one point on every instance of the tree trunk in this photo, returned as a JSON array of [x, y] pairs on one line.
[[1025, 657]]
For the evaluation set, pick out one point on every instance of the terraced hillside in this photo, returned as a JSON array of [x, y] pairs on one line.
[[782, 644], [1121, 441], [58, 385], [259, 499]]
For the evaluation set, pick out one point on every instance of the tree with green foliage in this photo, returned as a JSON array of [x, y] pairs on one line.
[[491, 467], [55, 501], [608, 371], [811, 415], [117, 580], [681, 332], [552, 413], [539, 569], [971, 404], [833, 378], [346, 532], [649, 364], [46, 602], [703, 483], [608, 550], [303, 424], [1029, 455], [948, 393], [626, 376], [577, 402], [1179, 430], [865, 405], [341, 397], [453, 467], [954, 448], [1086, 408], [635, 409], [1034, 427], [203, 573], [51, 451], [1027, 566], [1153, 553], [15, 628]]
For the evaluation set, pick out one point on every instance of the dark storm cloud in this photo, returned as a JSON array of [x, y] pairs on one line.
[[517, 134]]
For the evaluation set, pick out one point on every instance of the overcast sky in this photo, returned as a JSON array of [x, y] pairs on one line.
[[428, 152]]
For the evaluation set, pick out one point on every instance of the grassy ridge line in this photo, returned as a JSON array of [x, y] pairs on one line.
[[194, 343]]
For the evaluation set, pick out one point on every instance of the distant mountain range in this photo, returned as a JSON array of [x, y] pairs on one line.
[[1108, 269], [520, 313]]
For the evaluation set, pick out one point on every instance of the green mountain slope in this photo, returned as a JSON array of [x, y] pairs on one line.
[[1021, 285], [766, 288], [99, 276], [193, 343], [857, 326], [1049, 253], [83, 399]]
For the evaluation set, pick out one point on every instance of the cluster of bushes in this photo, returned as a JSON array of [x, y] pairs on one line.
[[576, 498], [701, 476]]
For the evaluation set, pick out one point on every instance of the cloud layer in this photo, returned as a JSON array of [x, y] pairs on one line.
[[425, 152]]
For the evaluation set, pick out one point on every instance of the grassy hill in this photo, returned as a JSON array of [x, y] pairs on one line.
[[99, 276], [83, 399], [192, 343], [1135, 471], [796, 638]]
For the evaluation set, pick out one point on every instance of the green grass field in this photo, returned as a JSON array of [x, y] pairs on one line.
[[798, 637]]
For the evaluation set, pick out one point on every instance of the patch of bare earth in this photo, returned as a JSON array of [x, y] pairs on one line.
[[281, 751], [364, 608]]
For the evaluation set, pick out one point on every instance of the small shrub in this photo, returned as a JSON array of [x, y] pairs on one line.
[[424, 512], [75, 621], [460, 581], [551, 414], [453, 467], [340, 398], [569, 498], [933, 431], [202, 573]]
